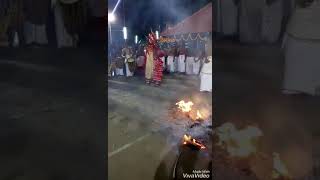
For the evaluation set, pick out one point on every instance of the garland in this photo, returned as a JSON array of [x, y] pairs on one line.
[[189, 37]]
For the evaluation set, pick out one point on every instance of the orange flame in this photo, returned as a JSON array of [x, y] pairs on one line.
[[185, 106], [199, 116], [238, 143], [189, 140], [279, 168]]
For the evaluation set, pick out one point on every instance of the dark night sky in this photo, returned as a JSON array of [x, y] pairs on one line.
[[142, 15]]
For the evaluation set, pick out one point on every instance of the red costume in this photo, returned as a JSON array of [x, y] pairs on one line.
[[158, 67]]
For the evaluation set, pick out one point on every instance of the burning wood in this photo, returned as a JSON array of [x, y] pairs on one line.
[[185, 106], [199, 116], [188, 140], [191, 113], [280, 171]]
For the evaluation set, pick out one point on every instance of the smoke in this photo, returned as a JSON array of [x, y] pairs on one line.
[[142, 15]]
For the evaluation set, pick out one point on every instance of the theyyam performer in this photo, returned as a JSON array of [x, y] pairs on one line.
[[154, 64]]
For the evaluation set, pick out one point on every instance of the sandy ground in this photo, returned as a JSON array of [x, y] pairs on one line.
[[142, 143]]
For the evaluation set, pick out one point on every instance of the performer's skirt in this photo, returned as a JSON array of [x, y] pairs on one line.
[[170, 64], [181, 64], [157, 76]]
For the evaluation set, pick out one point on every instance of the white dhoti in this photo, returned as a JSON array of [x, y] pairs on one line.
[[302, 51], [228, 17], [119, 72], [206, 82], [250, 20], [272, 22], [206, 77], [302, 70], [64, 39], [189, 65], [181, 63], [170, 64], [35, 33], [196, 66], [128, 72], [176, 64]]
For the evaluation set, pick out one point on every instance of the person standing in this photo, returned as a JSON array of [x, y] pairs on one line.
[[182, 59], [189, 62], [140, 60], [197, 62], [149, 59], [127, 54], [170, 60], [250, 20], [206, 70], [206, 75]]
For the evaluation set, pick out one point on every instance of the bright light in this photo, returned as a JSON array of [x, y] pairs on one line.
[[111, 17], [115, 8], [136, 39], [125, 35], [157, 34]]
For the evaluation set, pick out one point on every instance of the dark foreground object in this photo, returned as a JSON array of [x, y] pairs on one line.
[[52, 117]]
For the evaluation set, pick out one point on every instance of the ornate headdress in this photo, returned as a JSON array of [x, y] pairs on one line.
[[152, 40]]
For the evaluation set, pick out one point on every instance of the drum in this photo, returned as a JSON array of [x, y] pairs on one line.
[[132, 66], [130, 60]]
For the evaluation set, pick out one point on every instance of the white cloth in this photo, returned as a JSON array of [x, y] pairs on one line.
[[181, 63], [119, 71], [250, 20], [63, 37], [229, 17], [206, 76], [196, 66], [189, 65], [272, 22], [129, 73], [170, 64], [35, 33], [304, 22], [302, 47], [302, 67], [302, 51], [206, 82], [176, 64]]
